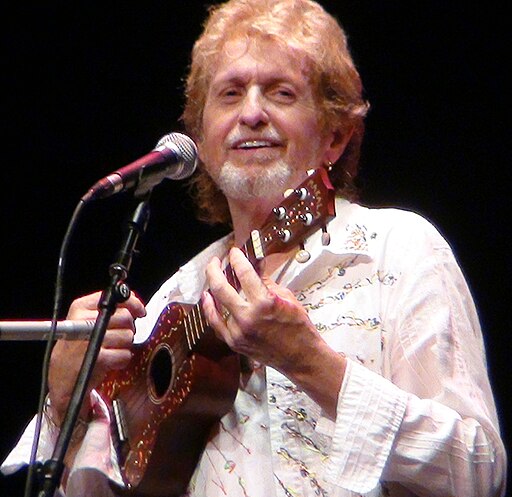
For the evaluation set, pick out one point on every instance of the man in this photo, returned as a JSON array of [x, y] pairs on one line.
[[364, 371]]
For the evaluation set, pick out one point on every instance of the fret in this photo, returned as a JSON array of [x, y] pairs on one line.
[[193, 337], [202, 321], [187, 332], [193, 325], [196, 325]]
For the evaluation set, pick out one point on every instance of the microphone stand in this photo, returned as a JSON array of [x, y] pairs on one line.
[[50, 473]]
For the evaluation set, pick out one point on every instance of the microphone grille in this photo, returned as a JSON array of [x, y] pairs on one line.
[[186, 149]]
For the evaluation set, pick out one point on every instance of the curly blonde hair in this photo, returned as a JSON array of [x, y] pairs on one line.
[[305, 27]]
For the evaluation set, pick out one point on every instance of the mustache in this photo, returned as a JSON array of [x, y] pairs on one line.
[[237, 135]]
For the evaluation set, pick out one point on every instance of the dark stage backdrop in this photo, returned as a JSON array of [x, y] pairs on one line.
[[88, 88]]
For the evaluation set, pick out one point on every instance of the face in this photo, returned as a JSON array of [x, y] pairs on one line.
[[261, 130]]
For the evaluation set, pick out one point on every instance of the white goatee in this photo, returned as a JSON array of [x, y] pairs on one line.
[[242, 184]]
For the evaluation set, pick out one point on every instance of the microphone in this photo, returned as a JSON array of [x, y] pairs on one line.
[[40, 330], [174, 157]]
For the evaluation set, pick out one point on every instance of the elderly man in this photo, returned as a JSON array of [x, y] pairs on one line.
[[363, 370]]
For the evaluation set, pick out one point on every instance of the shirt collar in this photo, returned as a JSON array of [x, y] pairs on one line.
[[349, 236], [348, 232]]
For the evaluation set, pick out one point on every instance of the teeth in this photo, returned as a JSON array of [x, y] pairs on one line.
[[254, 144]]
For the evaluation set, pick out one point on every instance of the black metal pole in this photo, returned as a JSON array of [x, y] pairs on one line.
[[117, 291]]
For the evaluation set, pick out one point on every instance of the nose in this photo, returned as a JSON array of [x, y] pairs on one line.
[[253, 112]]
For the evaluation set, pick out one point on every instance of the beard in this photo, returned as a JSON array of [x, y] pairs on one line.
[[242, 183]]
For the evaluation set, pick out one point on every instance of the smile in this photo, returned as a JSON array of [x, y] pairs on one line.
[[250, 144], [255, 144]]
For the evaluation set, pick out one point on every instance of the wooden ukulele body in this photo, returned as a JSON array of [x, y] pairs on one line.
[[167, 404]]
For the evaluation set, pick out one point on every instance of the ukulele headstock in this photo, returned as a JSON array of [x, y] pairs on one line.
[[304, 210]]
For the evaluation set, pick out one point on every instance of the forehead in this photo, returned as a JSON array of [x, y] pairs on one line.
[[243, 58]]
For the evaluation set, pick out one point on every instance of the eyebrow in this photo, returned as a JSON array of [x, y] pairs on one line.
[[241, 79]]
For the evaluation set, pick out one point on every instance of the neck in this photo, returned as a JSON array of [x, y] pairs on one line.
[[249, 215]]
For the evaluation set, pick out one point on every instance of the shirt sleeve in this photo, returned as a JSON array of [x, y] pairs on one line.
[[429, 424], [20, 454], [95, 464]]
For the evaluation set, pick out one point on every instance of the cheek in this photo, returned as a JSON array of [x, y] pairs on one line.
[[216, 124], [208, 152], [208, 139], [210, 147], [307, 136], [302, 122]]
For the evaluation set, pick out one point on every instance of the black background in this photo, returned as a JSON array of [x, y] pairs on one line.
[[89, 88]]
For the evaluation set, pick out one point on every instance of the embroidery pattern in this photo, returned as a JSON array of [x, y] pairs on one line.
[[356, 238], [298, 414], [319, 284], [304, 439], [304, 472], [381, 277], [287, 491], [230, 467], [369, 324]]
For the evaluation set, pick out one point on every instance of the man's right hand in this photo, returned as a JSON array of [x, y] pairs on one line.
[[115, 352]]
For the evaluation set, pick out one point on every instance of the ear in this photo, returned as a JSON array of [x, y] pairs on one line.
[[199, 145], [201, 151], [335, 144]]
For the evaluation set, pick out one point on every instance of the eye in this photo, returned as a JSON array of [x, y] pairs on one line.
[[230, 94], [283, 94]]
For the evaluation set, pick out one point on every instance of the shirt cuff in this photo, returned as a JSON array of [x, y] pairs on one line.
[[369, 413], [20, 455], [97, 451]]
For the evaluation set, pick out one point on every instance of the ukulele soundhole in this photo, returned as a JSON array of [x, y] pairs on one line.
[[161, 373]]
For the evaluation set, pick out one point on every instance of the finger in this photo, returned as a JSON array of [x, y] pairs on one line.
[[218, 321], [84, 307], [134, 305], [114, 359], [251, 283], [223, 293], [118, 339], [282, 292], [213, 315], [122, 318]]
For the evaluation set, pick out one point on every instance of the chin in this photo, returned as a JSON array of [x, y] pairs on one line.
[[242, 183]]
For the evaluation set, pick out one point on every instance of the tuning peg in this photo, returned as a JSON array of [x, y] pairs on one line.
[[284, 235], [326, 237], [279, 212], [301, 193], [302, 255], [307, 218]]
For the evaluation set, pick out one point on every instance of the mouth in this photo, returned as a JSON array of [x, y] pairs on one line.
[[254, 144]]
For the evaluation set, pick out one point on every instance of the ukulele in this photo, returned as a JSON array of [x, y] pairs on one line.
[[183, 379]]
